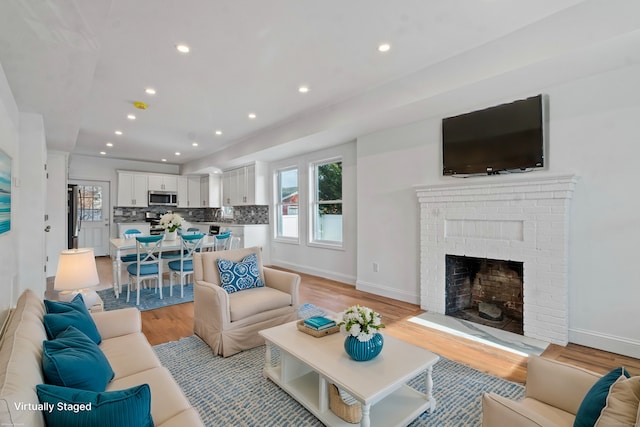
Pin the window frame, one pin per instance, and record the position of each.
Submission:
(278, 205)
(314, 204)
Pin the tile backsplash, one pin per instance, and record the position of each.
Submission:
(255, 214)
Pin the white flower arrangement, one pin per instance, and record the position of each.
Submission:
(360, 322)
(171, 221)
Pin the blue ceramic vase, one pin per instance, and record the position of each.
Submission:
(363, 351)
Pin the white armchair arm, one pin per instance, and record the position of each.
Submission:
(283, 281)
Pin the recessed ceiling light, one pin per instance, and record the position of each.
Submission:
(150, 91)
(195, 144)
(218, 132)
(131, 117)
(183, 48)
(177, 153)
(118, 132)
(164, 160)
(252, 115)
(109, 144)
(303, 89)
(384, 47)
(103, 153)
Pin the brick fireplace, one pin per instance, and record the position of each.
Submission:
(523, 219)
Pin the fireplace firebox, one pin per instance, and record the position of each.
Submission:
(485, 291)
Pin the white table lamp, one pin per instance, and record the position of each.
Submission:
(76, 272)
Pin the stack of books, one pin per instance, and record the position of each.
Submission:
(319, 323)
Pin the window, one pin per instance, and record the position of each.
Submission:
(287, 203)
(326, 203)
(90, 203)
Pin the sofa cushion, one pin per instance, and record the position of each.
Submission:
(257, 300)
(622, 403)
(73, 360)
(73, 313)
(239, 276)
(129, 354)
(78, 408)
(596, 398)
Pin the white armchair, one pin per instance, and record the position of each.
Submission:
(229, 323)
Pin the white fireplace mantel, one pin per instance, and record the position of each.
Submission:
(523, 218)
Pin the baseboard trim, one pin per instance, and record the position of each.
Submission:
(611, 343)
(388, 292)
(338, 277)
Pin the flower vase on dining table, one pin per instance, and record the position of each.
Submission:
(170, 235)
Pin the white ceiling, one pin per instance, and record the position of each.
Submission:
(81, 64)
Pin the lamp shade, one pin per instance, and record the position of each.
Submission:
(76, 270)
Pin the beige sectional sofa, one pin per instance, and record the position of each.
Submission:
(553, 395)
(131, 357)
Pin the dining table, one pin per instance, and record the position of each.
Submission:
(120, 246)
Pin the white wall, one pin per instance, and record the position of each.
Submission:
(9, 144)
(594, 131)
(30, 223)
(336, 264)
(56, 208)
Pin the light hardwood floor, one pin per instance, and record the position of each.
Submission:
(174, 322)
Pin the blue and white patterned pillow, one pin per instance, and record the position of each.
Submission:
(238, 276)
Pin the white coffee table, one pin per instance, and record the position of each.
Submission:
(307, 365)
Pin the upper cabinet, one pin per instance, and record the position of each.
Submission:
(132, 189)
(210, 191)
(189, 192)
(163, 183)
(245, 186)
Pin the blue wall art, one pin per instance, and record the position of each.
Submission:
(5, 192)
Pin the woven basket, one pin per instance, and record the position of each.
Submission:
(349, 413)
(314, 333)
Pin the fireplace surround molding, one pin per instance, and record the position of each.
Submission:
(524, 219)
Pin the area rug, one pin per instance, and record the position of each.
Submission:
(149, 299)
(232, 391)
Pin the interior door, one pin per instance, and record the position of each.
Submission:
(94, 215)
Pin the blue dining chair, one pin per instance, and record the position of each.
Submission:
(191, 243)
(127, 259)
(148, 264)
(222, 241)
(131, 233)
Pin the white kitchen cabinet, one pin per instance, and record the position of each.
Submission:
(163, 183)
(189, 192)
(132, 189)
(230, 188)
(245, 186)
(210, 191)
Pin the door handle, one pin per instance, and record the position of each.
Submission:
(47, 228)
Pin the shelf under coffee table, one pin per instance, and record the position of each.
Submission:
(308, 364)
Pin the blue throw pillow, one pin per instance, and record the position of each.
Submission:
(238, 276)
(596, 399)
(74, 360)
(76, 304)
(69, 407)
(54, 323)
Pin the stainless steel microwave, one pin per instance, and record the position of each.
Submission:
(163, 198)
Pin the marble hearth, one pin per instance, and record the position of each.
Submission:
(524, 219)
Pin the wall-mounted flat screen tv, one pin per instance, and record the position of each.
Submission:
(507, 137)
